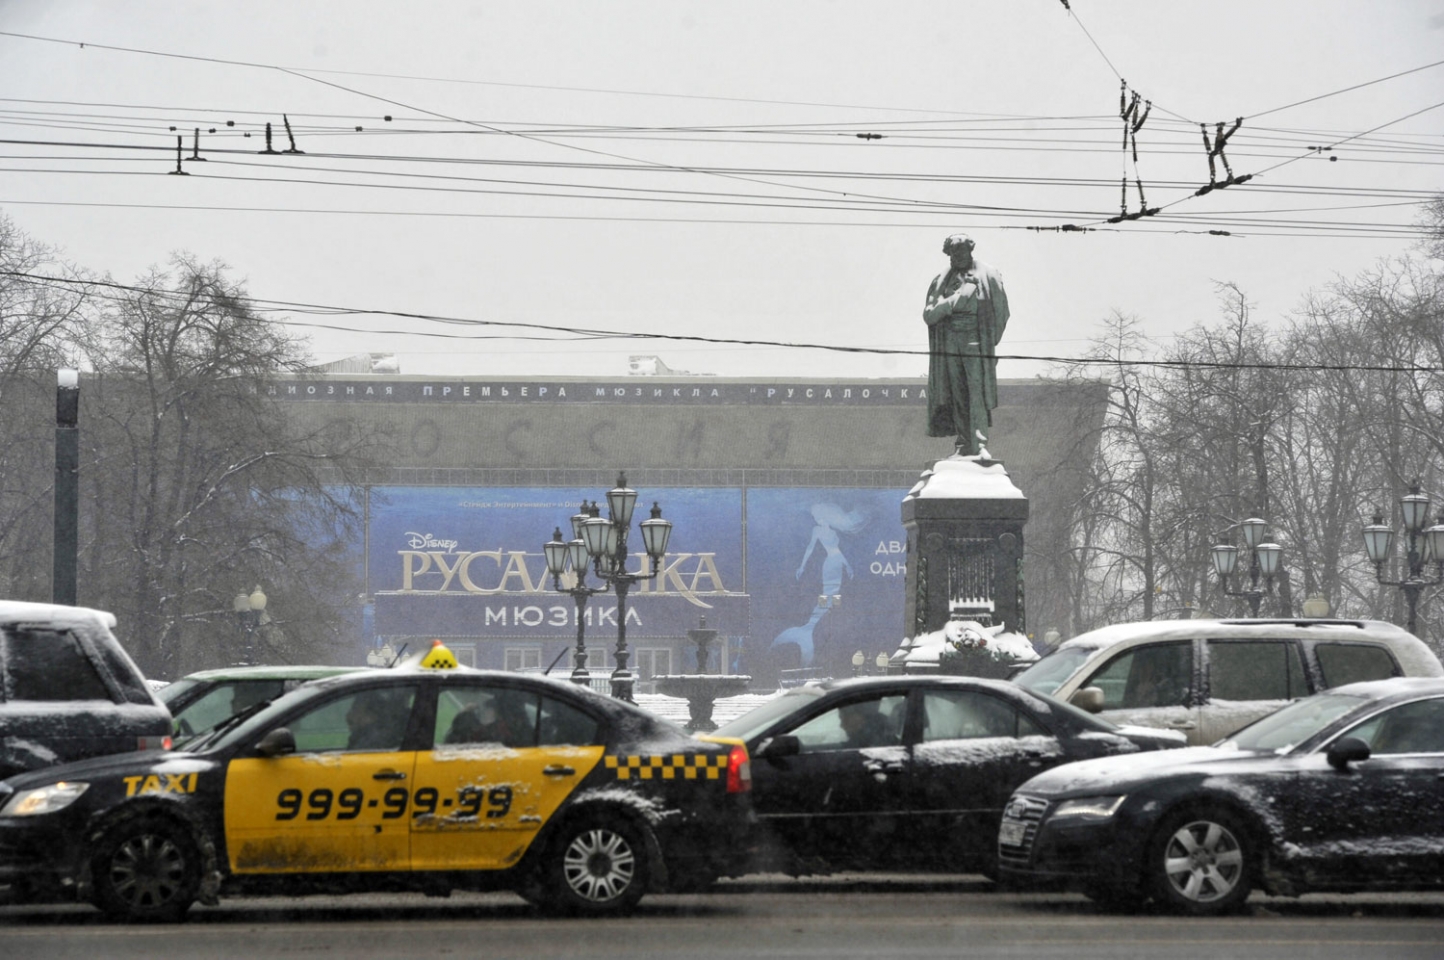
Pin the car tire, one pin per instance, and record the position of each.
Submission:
(597, 865)
(146, 869)
(1200, 862)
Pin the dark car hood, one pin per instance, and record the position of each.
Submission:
(112, 765)
(1116, 775)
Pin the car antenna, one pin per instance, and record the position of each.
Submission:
(397, 659)
(555, 662)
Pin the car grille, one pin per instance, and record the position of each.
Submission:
(1029, 811)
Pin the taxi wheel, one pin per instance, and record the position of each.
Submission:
(597, 866)
(146, 869)
(1200, 862)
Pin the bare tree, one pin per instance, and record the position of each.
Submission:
(198, 486)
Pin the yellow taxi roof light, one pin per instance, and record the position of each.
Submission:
(440, 657)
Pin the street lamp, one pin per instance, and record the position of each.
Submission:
(882, 662)
(1425, 546)
(858, 659)
(605, 542)
(560, 555)
(248, 610)
(1263, 561)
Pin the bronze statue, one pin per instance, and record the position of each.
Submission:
(966, 312)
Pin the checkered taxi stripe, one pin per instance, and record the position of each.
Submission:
(667, 767)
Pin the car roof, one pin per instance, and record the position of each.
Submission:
(365, 677)
(1122, 633)
(915, 680)
(1393, 688)
(56, 614)
(278, 672)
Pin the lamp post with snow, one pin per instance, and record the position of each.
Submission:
(1424, 547)
(605, 542)
(1263, 561)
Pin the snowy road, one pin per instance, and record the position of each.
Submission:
(875, 918)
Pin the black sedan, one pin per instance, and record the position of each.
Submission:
(1342, 791)
(908, 772)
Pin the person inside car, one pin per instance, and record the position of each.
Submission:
(376, 720)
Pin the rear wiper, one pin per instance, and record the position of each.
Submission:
(205, 736)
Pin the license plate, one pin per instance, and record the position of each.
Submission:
(1012, 832)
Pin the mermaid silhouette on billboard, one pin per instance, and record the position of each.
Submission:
(831, 520)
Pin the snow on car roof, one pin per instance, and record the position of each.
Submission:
(1416, 658)
(20, 611)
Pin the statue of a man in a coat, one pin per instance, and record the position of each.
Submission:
(966, 312)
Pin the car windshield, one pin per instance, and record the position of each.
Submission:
(1281, 730)
(754, 721)
(247, 722)
(1048, 674)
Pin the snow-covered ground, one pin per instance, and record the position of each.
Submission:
(723, 710)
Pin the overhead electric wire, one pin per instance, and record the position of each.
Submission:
(266, 305)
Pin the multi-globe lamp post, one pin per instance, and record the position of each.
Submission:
(1263, 561)
(1425, 546)
(561, 555)
(604, 541)
(248, 610)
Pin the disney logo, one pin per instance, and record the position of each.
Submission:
(425, 541)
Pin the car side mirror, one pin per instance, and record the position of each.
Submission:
(1346, 751)
(782, 745)
(1089, 698)
(276, 743)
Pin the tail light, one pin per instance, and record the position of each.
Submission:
(153, 743)
(739, 771)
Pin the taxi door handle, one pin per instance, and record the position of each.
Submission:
(559, 771)
(1181, 724)
(388, 775)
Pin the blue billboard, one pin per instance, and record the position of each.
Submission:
(793, 577)
(468, 561)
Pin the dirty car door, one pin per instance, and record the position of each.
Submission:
(503, 760)
(975, 748)
(339, 803)
(842, 797)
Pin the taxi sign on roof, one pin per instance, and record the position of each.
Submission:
(440, 657)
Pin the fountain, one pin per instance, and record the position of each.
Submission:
(701, 689)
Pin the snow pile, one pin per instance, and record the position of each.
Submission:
(724, 709)
(927, 649)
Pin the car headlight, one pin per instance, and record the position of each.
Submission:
(57, 796)
(1089, 808)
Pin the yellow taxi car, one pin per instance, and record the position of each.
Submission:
(404, 779)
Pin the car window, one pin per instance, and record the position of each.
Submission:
(122, 669)
(1409, 728)
(1343, 663)
(49, 665)
(1156, 675)
(564, 725)
(476, 715)
(224, 700)
(368, 720)
(1255, 670)
(967, 715)
(855, 725)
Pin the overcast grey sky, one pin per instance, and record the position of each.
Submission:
(676, 167)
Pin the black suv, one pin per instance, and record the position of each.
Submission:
(68, 690)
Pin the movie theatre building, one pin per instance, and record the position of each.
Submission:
(784, 496)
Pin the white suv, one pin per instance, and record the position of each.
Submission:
(1208, 678)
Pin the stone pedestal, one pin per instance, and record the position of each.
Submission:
(964, 521)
